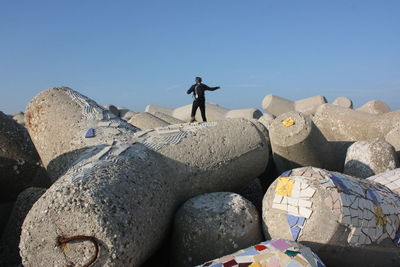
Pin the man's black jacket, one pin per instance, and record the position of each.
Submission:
(198, 90)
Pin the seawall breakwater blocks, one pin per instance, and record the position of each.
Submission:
(115, 202)
(276, 252)
(145, 120)
(346, 221)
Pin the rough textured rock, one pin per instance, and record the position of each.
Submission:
(19, 117)
(59, 118)
(12, 232)
(122, 197)
(145, 120)
(374, 107)
(20, 165)
(390, 179)
(296, 142)
(345, 220)
(276, 105)
(367, 158)
(212, 225)
(393, 138)
(343, 102)
(277, 252)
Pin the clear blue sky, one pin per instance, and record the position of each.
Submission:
(135, 53)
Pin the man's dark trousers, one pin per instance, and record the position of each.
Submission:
(199, 103)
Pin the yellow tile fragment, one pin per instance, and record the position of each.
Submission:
(288, 122)
(284, 186)
(380, 217)
(255, 265)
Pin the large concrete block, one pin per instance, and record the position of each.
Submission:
(374, 107)
(277, 252)
(266, 119)
(145, 120)
(345, 220)
(20, 165)
(167, 118)
(249, 113)
(295, 142)
(276, 105)
(214, 112)
(343, 102)
(12, 232)
(154, 108)
(342, 126)
(213, 225)
(367, 158)
(116, 202)
(62, 122)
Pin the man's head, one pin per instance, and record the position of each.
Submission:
(197, 79)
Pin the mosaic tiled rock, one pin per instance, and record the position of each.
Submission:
(20, 165)
(276, 105)
(145, 120)
(296, 142)
(272, 253)
(214, 112)
(113, 206)
(390, 179)
(62, 122)
(367, 158)
(336, 215)
(343, 102)
(12, 232)
(374, 107)
(213, 225)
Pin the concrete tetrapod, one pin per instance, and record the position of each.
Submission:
(374, 107)
(367, 158)
(343, 102)
(145, 120)
(115, 204)
(345, 220)
(296, 142)
(212, 225)
(276, 252)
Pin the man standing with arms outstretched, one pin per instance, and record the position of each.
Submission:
(199, 99)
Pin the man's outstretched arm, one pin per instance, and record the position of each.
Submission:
(211, 88)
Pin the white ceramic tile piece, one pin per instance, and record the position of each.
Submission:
(353, 212)
(354, 204)
(345, 211)
(304, 212)
(309, 192)
(305, 203)
(277, 199)
(293, 201)
(346, 220)
(345, 200)
(355, 221)
(284, 200)
(378, 231)
(303, 186)
(392, 186)
(382, 237)
(293, 210)
(296, 189)
(361, 238)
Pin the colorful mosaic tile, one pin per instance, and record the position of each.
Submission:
(278, 252)
(90, 133)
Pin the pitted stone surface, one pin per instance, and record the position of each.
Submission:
(12, 232)
(367, 158)
(124, 194)
(212, 225)
(374, 107)
(167, 118)
(20, 165)
(338, 215)
(343, 102)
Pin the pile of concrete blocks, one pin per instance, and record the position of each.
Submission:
(116, 188)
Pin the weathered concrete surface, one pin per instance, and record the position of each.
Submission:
(277, 252)
(390, 179)
(124, 195)
(367, 158)
(58, 120)
(374, 107)
(213, 225)
(20, 165)
(299, 143)
(276, 105)
(167, 118)
(309, 105)
(153, 108)
(214, 112)
(345, 220)
(342, 126)
(248, 113)
(145, 120)
(266, 119)
(343, 102)
(12, 232)
(393, 138)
